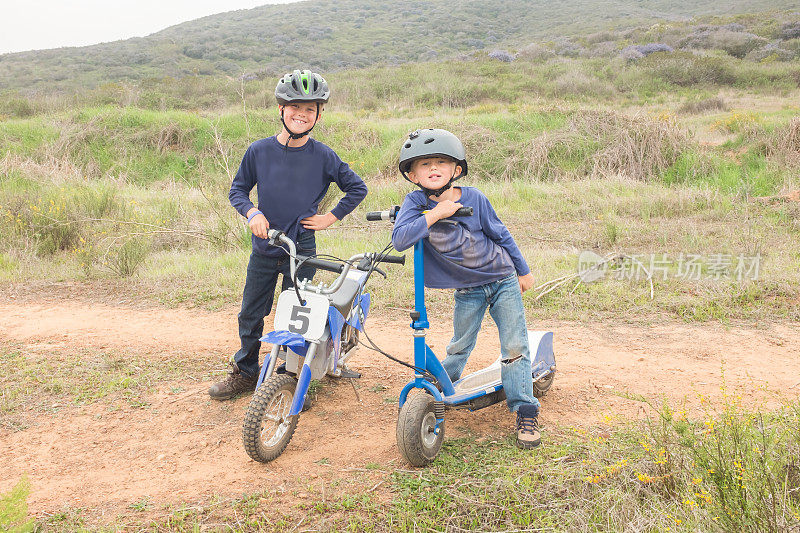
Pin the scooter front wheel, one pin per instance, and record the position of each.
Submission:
(417, 437)
(268, 428)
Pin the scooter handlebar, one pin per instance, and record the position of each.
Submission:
(388, 214)
(397, 259)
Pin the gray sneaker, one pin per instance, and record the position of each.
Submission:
(233, 385)
(528, 427)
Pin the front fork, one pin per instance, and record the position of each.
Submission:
(303, 379)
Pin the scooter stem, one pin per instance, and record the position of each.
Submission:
(420, 317)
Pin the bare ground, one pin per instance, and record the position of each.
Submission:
(181, 448)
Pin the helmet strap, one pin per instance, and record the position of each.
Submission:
(298, 135)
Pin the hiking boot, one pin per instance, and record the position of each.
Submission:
(528, 427)
(233, 385)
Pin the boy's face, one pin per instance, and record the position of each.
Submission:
(300, 116)
(433, 172)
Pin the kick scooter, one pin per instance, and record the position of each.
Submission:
(420, 425)
(316, 327)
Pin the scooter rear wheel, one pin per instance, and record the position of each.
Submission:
(268, 428)
(541, 387)
(418, 442)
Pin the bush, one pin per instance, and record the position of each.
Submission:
(604, 49)
(127, 259)
(600, 144)
(638, 51)
(578, 83)
(736, 43)
(686, 69)
(716, 103)
(535, 52)
(501, 55)
(790, 30)
(771, 52)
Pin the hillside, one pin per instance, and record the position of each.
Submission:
(330, 35)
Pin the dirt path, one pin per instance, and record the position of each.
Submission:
(185, 448)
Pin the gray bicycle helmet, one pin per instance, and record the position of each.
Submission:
(432, 142)
(302, 86)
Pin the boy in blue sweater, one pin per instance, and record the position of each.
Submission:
(292, 172)
(476, 256)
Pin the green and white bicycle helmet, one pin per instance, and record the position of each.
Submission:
(432, 142)
(301, 86)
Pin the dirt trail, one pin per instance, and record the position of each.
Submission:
(184, 448)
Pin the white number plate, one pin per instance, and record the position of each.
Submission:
(307, 320)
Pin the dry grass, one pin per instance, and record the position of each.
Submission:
(600, 144)
(696, 107)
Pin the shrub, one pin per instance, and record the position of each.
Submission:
(601, 36)
(535, 52)
(638, 51)
(581, 84)
(790, 30)
(771, 52)
(736, 43)
(686, 69)
(599, 144)
(604, 49)
(631, 53)
(127, 259)
(501, 55)
(567, 47)
(716, 103)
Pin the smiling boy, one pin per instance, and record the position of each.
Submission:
(475, 255)
(292, 173)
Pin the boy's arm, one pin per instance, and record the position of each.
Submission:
(353, 188)
(242, 184)
(410, 225)
(494, 228)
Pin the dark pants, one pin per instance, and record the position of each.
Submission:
(259, 291)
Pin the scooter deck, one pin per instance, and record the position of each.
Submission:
(488, 380)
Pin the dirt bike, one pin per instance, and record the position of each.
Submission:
(316, 329)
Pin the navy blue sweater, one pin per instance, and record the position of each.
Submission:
(291, 183)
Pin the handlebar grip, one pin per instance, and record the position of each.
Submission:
(397, 259)
(463, 212)
(389, 214)
(330, 266)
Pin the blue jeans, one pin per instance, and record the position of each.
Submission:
(504, 300)
(259, 291)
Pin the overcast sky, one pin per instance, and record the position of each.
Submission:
(38, 24)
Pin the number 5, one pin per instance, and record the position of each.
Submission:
(298, 323)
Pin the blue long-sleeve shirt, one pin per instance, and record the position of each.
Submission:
(291, 183)
(459, 252)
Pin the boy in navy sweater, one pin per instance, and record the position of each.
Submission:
(476, 256)
(292, 172)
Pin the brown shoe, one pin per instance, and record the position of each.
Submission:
(233, 385)
(528, 427)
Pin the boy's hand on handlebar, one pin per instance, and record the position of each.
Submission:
(259, 226)
(525, 282)
(443, 209)
(318, 222)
